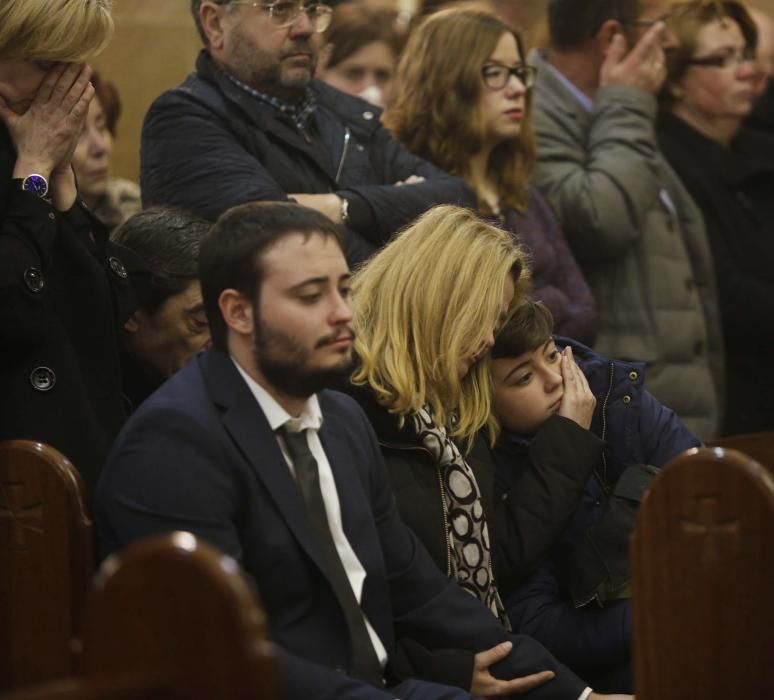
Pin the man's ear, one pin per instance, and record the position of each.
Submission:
(605, 34)
(211, 18)
(132, 324)
(237, 311)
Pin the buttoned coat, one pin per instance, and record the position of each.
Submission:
(199, 455)
(64, 293)
(639, 239)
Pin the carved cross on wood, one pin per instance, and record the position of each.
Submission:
(708, 527)
(17, 516)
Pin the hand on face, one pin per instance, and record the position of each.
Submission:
(46, 134)
(643, 67)
(578, 401)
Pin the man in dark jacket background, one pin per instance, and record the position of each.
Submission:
(252, 124)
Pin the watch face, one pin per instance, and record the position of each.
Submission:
(36, 184)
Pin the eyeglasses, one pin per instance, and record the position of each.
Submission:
(284, 12)
(647, 23)
(731, 59)
(497, 77)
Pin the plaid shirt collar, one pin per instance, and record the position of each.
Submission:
(297, 113)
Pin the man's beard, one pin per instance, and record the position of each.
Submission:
(284, 363)
(264, 73)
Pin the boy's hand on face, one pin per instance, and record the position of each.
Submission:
(577, 402)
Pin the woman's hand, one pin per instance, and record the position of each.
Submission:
(578, 401)
(46, 134)
(485, 685)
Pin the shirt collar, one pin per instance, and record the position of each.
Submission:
(581, 97)
(298, 113)
(311, 416)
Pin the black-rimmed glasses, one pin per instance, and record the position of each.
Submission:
(497, 77)
(284, 12)
(724, 60)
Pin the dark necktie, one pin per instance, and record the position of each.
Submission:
(365, 664)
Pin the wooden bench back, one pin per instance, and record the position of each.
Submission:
(46, 561)
(703, 580)
(170, 618)
(758, 446)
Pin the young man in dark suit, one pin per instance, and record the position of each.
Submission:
(248, 450)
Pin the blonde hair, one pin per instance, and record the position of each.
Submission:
(424, 302)
(435, 109)
(54, 30)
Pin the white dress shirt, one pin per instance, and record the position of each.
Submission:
(309, 421)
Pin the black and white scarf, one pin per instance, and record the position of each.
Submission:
(467, 528)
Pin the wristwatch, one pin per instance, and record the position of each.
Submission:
(36, 184)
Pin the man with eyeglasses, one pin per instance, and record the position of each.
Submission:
(253, 124)
(635, 231)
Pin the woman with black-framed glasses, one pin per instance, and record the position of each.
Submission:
(469, 112)
(729, 172)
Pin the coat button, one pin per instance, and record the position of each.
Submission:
(633, 376)
(627, 399)
(51, 216)
(360, 147)
(368, 115)
(42, 379)
(117, 267)
(34, 279)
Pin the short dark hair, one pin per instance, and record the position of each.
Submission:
(572, 23)
(231, 254)
(195, 6)
(355, 25)
(529, 328)
(107, 94)
(168, 242)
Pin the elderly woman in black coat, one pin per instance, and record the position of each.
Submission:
(62, 285)
(729, 172)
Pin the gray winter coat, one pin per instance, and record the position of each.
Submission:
(639, 239)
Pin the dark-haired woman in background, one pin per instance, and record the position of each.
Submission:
(360, 50)
(469, 112)
(112, 200)
(729, 172)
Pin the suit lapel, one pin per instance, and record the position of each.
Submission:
(249, 430)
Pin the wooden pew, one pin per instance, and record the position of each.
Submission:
(703, 580)
(46, 561)
(170, 618)
(759, 446)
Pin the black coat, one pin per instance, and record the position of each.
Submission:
(523, 524)
(208, 145)
(734, 188)
(63, 295)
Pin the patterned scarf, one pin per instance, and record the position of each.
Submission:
(467, 528)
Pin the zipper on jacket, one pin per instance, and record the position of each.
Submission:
(445, 510)
(347, 137)
(605, 485)
(444, 507)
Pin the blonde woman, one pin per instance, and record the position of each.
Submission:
(427, 307)
(469, 112)
(61, 282)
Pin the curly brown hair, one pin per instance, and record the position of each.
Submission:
(435, 108)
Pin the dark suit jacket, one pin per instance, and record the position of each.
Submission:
(199, 455)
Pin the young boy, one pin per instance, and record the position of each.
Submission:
(548, 389)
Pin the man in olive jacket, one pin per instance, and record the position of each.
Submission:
(634, 229)
(251, 124)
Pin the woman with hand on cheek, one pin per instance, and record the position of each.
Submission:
(63, 288)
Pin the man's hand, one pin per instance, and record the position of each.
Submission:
(410, 180)
(578, 401)
(46, 134)
(643, 67)
(328, 204)
(485, 685)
